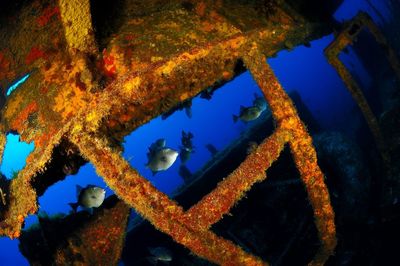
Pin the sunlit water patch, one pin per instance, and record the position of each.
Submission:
(17, 84)
(15, 154)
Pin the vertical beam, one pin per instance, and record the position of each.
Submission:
(303, 151)
(77, 21)
(380, 38)
(362, 103)
(344, 39)
(3, 140)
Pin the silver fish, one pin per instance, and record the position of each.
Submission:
(247, 114)
(89, 197)
(160, 254)
(159, 157)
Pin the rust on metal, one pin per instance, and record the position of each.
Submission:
(342, 40)
(91, 92)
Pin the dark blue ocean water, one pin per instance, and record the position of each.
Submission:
(304, 70)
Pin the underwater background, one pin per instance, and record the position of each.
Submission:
(302, 70)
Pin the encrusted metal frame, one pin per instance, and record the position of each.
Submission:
(345, 38)
(128, 96)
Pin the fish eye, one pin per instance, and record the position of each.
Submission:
(93, 197)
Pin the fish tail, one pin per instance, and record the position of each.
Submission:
(152, 260)
(74, 206)
(235, 118)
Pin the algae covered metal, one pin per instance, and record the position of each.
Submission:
(91, 83)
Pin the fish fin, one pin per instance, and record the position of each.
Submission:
(152, 260)
(235, 118)
(42, 214)
(89, 210)
(188, 112)
(161, 143)
(74, 206)
(78, 190)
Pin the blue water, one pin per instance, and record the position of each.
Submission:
(15, 154)
(304, 70)
(17, 84)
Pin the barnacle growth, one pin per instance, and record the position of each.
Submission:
(90, 90)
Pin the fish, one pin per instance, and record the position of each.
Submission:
(211, 148)
(184, 154)
(160, 158)
(260, 102)
(89, 197)
(186, 139)
(187, 146)
(185, 105)
(207, 93)
(247, 114)
(158, 144)
(251, 147)
(188, 108)
(161, 254)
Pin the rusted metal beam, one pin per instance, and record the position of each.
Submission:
(345, 38)
(77, 21)
(217, 203)
(302, 149)
(145, 73)
(156, 207)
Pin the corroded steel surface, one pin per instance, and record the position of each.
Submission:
(342, 40)
(155, 58)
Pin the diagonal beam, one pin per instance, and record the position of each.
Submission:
(391, 54)
(303, 151)
(214, 205)
(345, 38)
(155, 206)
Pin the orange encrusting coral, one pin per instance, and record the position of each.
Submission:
(153, 71)
(18, 122)
(101, 238)
(6, 73)
(34, 54)
(47, 14)
(303, 151)
(77, 21)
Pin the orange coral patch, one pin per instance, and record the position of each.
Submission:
(108, 64)
(34, 54)
(47, 14)
(23, 116)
